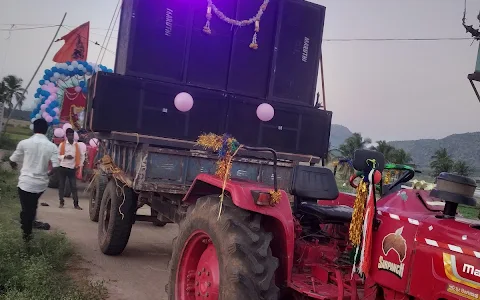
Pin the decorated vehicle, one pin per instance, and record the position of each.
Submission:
(209, 139)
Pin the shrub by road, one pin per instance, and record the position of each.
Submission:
(39, 271)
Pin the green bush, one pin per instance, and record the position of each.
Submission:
(36, 271)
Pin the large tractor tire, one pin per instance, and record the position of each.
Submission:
(226, 259)
(96, 193)
(115, 218)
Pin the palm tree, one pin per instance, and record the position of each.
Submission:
(386, 149)
(441, 162)
(462, 168)
(13, 91)
(400, 156)
(348, 148)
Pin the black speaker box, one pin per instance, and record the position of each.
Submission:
(136, 105)
(129, 104)
(164, 40)
(293, 129)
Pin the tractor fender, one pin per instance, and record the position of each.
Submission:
(278, 219)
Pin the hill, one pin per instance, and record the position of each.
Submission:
(464, 146)
(338, 134)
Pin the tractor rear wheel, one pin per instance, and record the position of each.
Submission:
(96, 194)
(115, 218)
(226, 259)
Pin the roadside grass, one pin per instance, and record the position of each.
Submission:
(13, 135)
(40, 270)
(469, 212)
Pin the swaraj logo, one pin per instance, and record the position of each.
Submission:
(396, 243)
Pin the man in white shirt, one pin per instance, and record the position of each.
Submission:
(35, 153)
(71, 158)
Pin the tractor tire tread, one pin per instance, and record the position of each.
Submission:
(249, 270)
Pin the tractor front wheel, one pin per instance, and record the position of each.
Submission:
(225, 259)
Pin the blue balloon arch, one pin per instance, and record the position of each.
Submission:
(49, 96)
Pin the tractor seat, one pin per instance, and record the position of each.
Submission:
(327, 213)
(310, 184)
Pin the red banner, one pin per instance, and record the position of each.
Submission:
(73, 108)
(76, 45)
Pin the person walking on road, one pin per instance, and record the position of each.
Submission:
(34, 153)
(71, 158)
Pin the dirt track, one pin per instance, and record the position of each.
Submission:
(139, 273)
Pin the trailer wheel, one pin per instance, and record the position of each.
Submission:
(115, 218)
(96, 193)
(226, 259)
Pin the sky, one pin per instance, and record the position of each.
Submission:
(387, 90)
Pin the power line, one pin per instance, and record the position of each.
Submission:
(28, 28)
(399, 39)
(109, 27)
(93, 42)
(53, 25)
(108, 35)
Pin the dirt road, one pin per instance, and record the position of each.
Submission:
(139, 273)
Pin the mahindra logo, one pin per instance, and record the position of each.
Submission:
(469, 269)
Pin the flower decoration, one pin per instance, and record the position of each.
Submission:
(226, 147)
(253, 20)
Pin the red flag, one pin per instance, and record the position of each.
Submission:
(76, 45)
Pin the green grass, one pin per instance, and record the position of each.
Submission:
(38, 271)
(19, 130)
(13, 135)
(469, 212)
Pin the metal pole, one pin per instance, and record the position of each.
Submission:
(323, 83)
(38, 68)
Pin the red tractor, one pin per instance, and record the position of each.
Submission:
(420, 248)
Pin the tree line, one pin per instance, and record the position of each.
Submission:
(12, 96)
(441, 160)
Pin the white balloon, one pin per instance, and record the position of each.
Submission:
(33, 120)
(70, 68)
(56, 75)
(75, 63)
(31, 126)
(37, 116)
(58, 65)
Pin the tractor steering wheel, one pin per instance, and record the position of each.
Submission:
(405, 177)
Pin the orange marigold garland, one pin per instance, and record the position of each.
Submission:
(227, 147)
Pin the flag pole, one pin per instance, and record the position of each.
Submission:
(36, 71)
